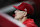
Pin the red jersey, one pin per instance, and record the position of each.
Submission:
(30, 23)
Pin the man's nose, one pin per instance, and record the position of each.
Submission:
(16, 11)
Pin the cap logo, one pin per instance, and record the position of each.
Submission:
(25, 9)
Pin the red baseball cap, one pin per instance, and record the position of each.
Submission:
(25, 7)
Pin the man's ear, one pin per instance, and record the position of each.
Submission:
(25, 13)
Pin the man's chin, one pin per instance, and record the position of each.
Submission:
(16, 18)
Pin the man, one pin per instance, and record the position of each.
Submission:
(21, 14)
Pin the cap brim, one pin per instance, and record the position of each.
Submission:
(15, 7)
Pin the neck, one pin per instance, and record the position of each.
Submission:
(23, 19)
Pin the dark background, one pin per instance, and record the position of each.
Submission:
(9, 2)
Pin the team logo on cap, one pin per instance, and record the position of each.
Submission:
(25, 9)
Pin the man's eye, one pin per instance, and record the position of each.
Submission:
(20, 10)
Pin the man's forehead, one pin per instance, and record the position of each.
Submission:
(20, 10)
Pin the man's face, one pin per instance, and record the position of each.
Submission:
(19, 14)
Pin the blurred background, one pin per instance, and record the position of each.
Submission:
(7, 4)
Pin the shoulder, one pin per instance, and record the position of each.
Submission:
(30, 22)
